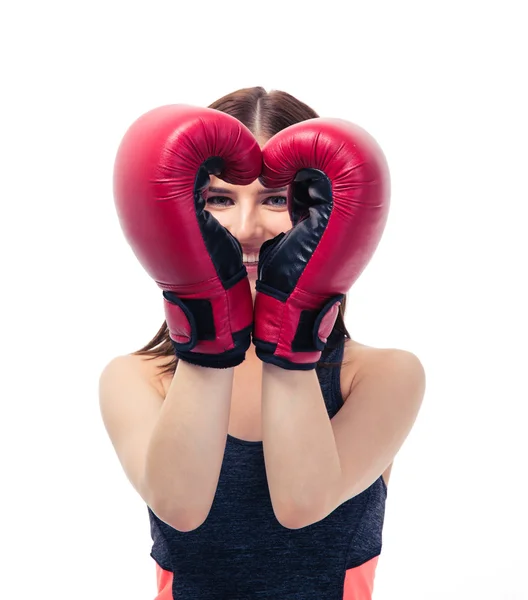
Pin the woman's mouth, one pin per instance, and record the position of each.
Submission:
(250, 259)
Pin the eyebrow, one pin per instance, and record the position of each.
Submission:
(221, 190)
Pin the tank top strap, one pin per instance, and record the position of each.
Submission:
(330, 377)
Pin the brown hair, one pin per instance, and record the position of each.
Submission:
(264, 114)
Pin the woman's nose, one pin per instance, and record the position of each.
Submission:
(246, 226)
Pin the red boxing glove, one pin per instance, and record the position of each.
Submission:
(338, 202)
(161, 170)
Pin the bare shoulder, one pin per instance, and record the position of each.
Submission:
(360, 358)
(146, 368)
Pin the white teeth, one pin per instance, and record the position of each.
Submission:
(250, 258)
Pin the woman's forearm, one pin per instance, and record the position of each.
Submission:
(187, 447)
(302, 462)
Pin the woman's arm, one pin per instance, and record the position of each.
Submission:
(302, 462)
(171, 448)
(186, 450)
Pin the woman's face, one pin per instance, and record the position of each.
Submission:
(251, 213)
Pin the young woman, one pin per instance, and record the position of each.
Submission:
(259, 434)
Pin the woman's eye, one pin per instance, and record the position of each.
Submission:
(223, 201)
(278, 201)
(218, 200)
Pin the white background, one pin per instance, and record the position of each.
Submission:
(442, 87)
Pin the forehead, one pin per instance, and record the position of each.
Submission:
(220, 186)
(216, 181)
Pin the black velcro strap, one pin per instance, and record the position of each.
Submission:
(306, 337)
(303, 340)
(199, 313)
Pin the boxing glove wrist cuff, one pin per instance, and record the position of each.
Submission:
(292, 333)
(226, 360)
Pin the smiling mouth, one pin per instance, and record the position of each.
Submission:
(251, 259)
